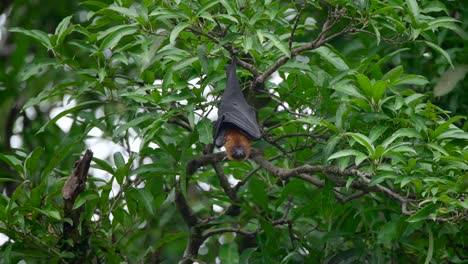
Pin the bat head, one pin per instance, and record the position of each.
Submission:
(237, 144)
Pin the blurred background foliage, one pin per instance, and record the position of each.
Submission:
(381, 90)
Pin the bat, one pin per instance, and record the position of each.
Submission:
(237, 122)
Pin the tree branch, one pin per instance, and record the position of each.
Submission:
(208, 159)
(218, 231)
(296, 23)
(304, 173)
(75, 236)
(332, 19)
(240, 62)
(231, 192)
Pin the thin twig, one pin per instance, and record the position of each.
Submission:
(218, 231)
(296, 23)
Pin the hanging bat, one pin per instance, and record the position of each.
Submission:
(237, 122)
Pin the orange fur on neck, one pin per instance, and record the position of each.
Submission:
(235, 139)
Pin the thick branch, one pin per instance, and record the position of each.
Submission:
(231, 193)
(187, 214)
(195, 231)
(287, 173)
(304, 172)
(198, 162)
(76, 183)
(75, 236)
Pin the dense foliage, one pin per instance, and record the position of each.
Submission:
(362, 106)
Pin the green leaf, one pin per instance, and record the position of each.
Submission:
(345, 153)
(413, 9)
(247, 43)
(278, 44)
(348, 89)
(184, 63)
(124, 11)
(114, 38)
(379, 150)
(430, 249)
(94, 3)
(388, 232)
(35, 69)
(402, 132)
(63, 29)
(440, 50)
(434, 6)
(438, 148)
(13, 162)
(381, 176)
(453, 133)
(164, 13)
(376, 31)
(376, 132)
(228, 5)
(66, 112)
(363, 140)
(378, 90)
(176, 31)
(135, 122)
(317, 121)
(414, 99)
(229, 254)
(443, 127)
(333, 58)
(343, 163)
(412, 79)
(62, 151)
(446, 22)
(84, 197)
(330, 126)
(206, 6)
(364, 84)
(393, 74)
(103, 165)
(359, 159)
(168, 238)
(226, 17)
(146, 198)
(205, 131)
(119, 160)
(32, 161)
(422, 214)
(122, 169)
(7, 253)
(259, 195)
(38, 35)
(201, 53)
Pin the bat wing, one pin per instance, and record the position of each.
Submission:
(234, 111)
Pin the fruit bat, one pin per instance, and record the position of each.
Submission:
(237, 122)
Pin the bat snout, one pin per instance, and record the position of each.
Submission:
(239, 153)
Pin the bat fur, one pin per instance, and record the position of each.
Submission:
(237, 145)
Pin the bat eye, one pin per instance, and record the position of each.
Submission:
(239, 153)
